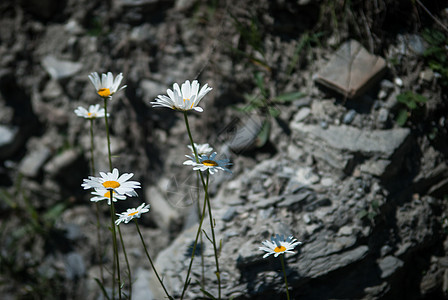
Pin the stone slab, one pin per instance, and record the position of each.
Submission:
(32, 163)
(384, 142)
(351, 70)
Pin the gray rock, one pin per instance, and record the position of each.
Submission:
(74, 266)
(58, 164)
(321, 265)
(384, 142)
(297, 199)
(32, 163)
(52, 90)
(9, 140)
(163, 212)
(377, 167)
(73, 231)
(382, 94)
(72, 26)
(351, 70)
(229, 214)
(305, 101)
(151, 89)
(398, 81)
(302, 114)
(267, 202)
(246, 135)
(60, 69)
(416, 44)
(389, 265)
(349, 116)
(7, 135)
(387, 85)
(440, 189)
(427, 75)
(383, 115)
(140, 287)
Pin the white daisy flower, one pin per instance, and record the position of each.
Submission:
(132, 213)
(95, 111)
(106, 86)
(111, 181)
(208, 163)
(183, 99)
(104, 194)
(278, 245)
(202, 149)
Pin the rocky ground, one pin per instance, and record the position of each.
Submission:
(332, 113)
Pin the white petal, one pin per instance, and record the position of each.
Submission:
(103, 80)
(186, 90)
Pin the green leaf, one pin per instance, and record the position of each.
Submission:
(263, 135)
(402, 117)
(372, 215)
(208, 238)
(274, 112)
(208, 294)
(420, 98)
(259, 81)
(7, 197)
(247, 108)
(288, 97)
(411, 99)
(362, 214)
(102, 288)
(54, 212)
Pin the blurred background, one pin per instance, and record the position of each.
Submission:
(333, 114)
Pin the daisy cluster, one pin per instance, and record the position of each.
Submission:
(110, 186)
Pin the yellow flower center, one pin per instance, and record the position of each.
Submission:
(111, 184)
(89, 114)
(186, 99)
(104, 92)
(133, 213)
(209, 163)
(107, 194)
(280, 249)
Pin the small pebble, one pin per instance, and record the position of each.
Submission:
(398, 81)
(382, 94)
(349, 116)
(383, 114)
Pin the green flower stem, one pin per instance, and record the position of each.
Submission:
(206, 200)
(191, 139)
(201, 241)
(107, 133)
(218, 274)
(150, 260)
(284, 274)
(92, 149)
(112, 212)
(195, 241)
(97, 207)
(127, 262)
(116, 263)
